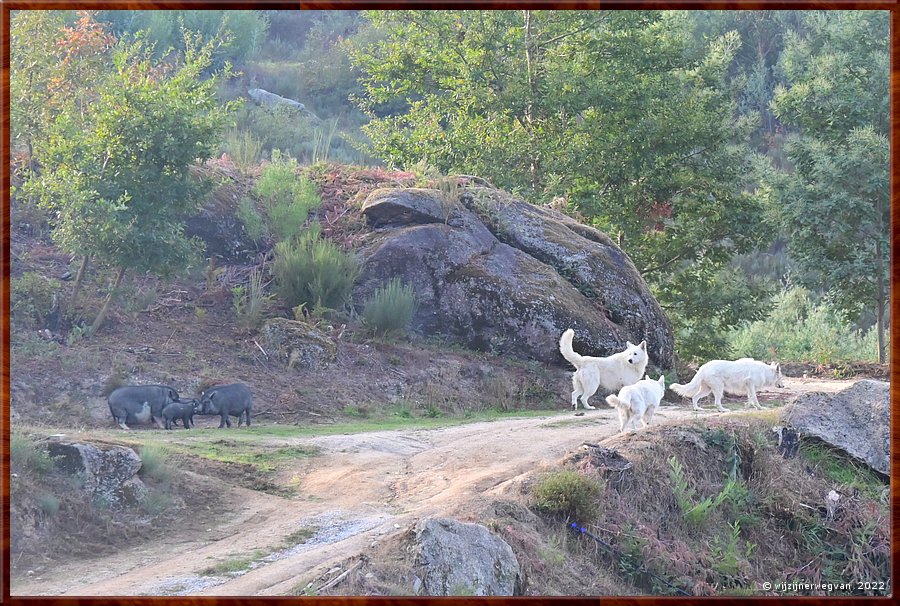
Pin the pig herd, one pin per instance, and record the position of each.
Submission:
(158, 403)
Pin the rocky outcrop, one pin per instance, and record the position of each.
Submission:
(109, 474)
(218, 225)
(464, 559)
(497, 274)
(264, 97)
(298, 344)
(856, 420)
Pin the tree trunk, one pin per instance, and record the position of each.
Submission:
(533, 167)
(881, 293)
(105, 309)
(880, 323)
(79, 278)
(880, 296)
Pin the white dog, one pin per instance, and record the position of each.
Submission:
(740, 377)
(612, 372)
(638, 402)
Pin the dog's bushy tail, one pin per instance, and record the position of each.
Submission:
(565, 348)
(615, 401)
(689, 390)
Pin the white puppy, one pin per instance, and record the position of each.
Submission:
(612, 372)
(740, 377)
(638, 402)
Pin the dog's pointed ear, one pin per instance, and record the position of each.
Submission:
(777, 366)
(644, 345)
(662, 380)
(629, 344)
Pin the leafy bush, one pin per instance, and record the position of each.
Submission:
(568, 493)
(801, 330)
(288, 196)
(26, 457)
(32, 298)
(314, 271)
(390, 308)
(251, 219)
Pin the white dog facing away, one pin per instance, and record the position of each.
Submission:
(740, 377)
(612, 372)
(638, 402)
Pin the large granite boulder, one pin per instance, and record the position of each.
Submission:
(109, 474)
(856, 420)
(298, 344)
(265, 98)
(464, 559)
(497, 274)
(218, 225)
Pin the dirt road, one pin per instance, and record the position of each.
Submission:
(361, 488)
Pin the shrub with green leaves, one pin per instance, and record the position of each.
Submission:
(568, 493)
(390, 308)
(799, 329)
(32, 298)
(250, 218)
(289, 197)
(313, 270)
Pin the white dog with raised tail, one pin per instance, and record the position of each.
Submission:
(740, 377)
(612, 372)
(638, 402)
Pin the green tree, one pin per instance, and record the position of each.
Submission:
(240, 33)
(834, 202)
(56, 57)
(116, 172)
(753, 75)
(606, 108)
(32, 55)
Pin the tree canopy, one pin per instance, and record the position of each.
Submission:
(834, 203)
(116, 173)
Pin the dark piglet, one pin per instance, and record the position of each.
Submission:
(227, 400)
(180, 410)
(140, 403)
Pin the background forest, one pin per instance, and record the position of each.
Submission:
(740, 158)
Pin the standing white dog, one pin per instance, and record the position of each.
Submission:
(638, 402)
(740, 377)
(612, 372)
